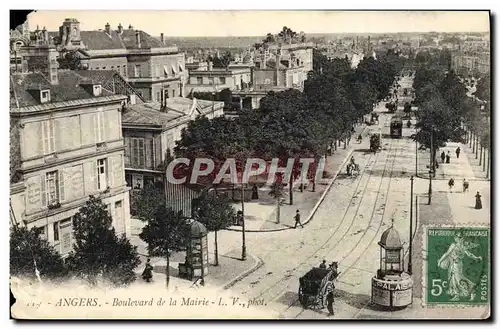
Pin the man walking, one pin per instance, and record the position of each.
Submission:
(457, 151)
(329, 302)
(465, 186)
(443, 156)
(297, 219)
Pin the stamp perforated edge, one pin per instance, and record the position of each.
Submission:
(424, 265)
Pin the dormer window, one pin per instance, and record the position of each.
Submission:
(44, 96)
(97, 90)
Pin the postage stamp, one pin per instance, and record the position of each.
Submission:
(457, 270)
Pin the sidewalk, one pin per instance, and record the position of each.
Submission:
(463, 167)
(230, 269)
(260, 215)
(446, 208)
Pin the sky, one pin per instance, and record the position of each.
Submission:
(257, 23)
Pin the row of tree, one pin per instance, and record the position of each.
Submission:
(444, 106)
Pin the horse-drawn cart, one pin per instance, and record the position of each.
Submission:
(315, 286)
(375, 142)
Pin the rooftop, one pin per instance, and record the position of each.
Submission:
(177, 109)
(390, 239)
(69, 88)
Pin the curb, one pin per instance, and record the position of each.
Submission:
(311, 214)
(257, 264)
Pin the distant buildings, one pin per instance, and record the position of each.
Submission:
(203, 77)
(471, 63)
(66, 144)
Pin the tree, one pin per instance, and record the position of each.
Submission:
(97, 250)
(147, 201)
(165, 233)
(223, 60)
(216, 213)
(71, 61)
(28, 249)
(277, 192)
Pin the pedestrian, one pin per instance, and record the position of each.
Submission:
(451, 183)
(465, 186)
(457, 151)
(479, 204)
(323, 264)
(443, 156)
(255, 192)
(297, 219)
(408, 124)
(329, 302)
(448, 157)
(147, 274)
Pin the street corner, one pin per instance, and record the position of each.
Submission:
(231, 269)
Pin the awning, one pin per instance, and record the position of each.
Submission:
(180, 68)
(165, 69)
(174, 71)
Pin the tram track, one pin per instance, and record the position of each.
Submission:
(375, 235)
(354, 195)
(305, 262)
(346, 231)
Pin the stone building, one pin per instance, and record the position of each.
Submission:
(156, 71)
(150, 131)
(66, 144)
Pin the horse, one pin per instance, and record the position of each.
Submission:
(352, 168)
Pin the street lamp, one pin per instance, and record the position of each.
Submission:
(243, 245)
(431, 166)
(411, 228)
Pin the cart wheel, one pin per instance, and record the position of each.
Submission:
(302, 298)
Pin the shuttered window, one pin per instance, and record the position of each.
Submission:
(54, 187)
(138, 152)
(102, 183)
(99, 127)
(48, 137)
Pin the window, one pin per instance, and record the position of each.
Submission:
(48, 136)
(42, 230)
(158, 96)
(124, 70)
(137, 71)
(97, 90)
(199, 80)
(52, 187)
(45, 96)
(104, 67)
(99, 127)
(173, 92)
(112, 67)
(222, 80)
(138, 152)
(101, 174)
(210, 80)
(74, 32)
(56, 231)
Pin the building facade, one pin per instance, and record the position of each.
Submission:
(205, 79)
(150, 131)
(67, 144)
(471, 63)
(156, 71)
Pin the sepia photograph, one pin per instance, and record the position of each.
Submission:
(250, 164)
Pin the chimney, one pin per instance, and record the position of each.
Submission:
(138, 39)
(162, 38)
(120, 28)
(278, 60)
(107, 28)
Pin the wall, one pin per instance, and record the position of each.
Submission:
(113, 63)
(73, 131)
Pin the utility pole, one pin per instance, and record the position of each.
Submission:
(243, 245)
(411, 228)
(431, 166)
(416, 155)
